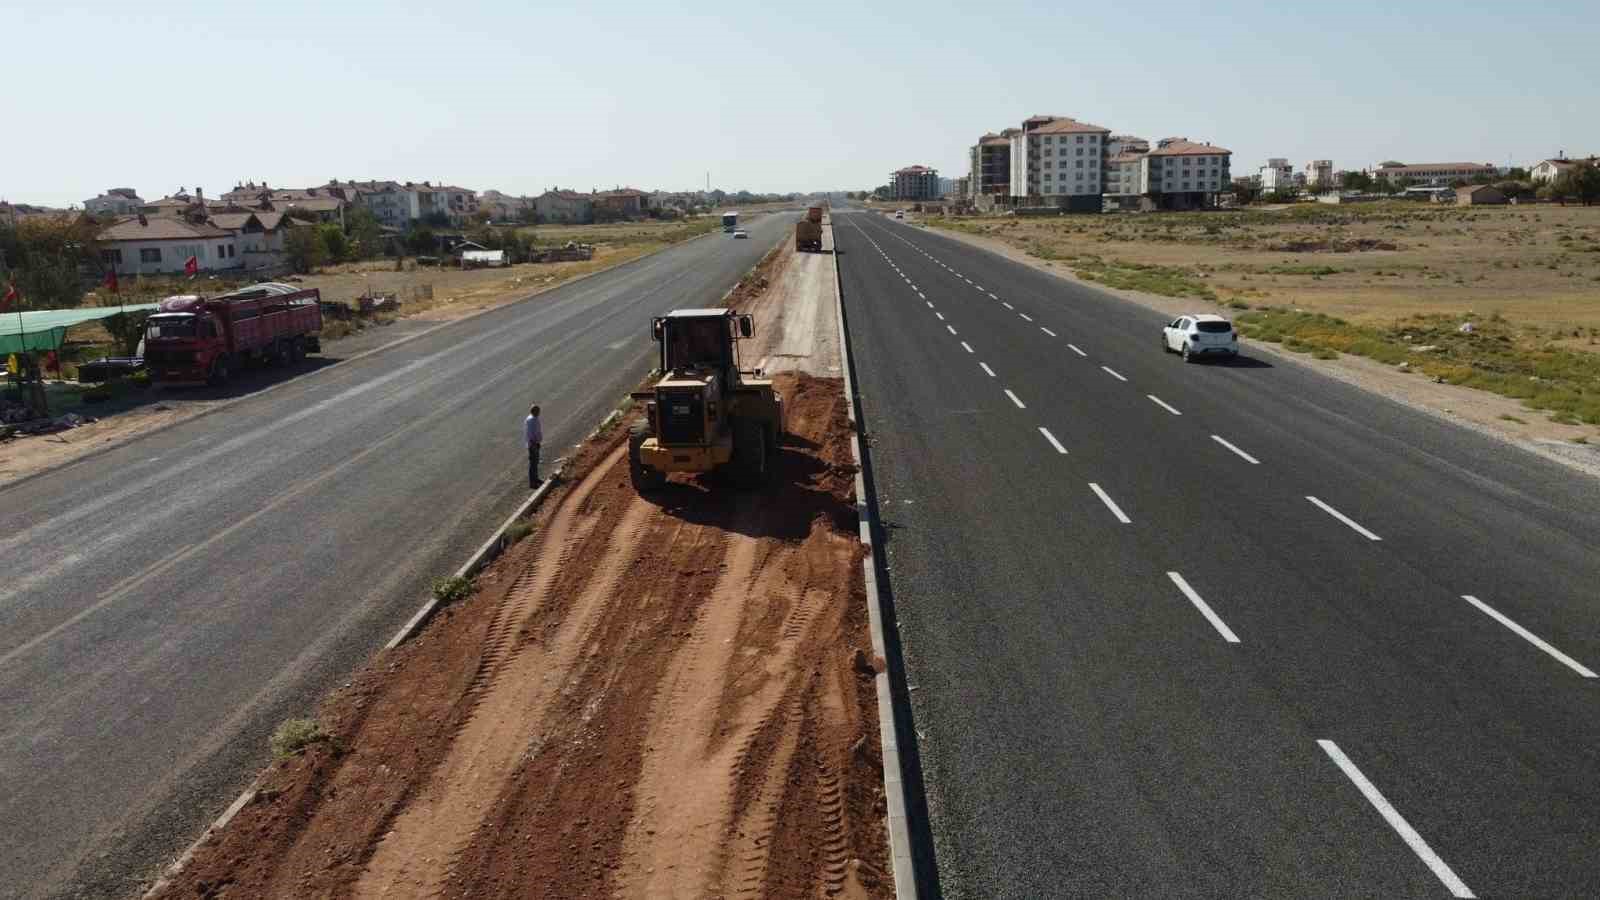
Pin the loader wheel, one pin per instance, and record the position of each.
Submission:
(644, 478)
(751, 453)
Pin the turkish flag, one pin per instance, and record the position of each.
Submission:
(111, 280)
(192, 267)
(10, 298)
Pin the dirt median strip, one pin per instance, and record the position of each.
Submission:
(672, 696)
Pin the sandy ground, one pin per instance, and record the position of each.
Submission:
(797, 318)
(651, 698)
(1480, 410)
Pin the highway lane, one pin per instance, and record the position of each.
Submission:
(1089, 726)
(165, 604)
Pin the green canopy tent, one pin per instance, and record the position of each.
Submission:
(45, 329)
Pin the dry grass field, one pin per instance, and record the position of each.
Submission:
(1391, 281)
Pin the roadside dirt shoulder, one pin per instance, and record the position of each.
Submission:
(662, 697)
(1502, 418)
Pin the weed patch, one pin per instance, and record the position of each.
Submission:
(295, 735)
(452, 589)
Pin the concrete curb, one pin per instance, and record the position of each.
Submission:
(359, 356)
(894, 788)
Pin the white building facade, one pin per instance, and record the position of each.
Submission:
(1058, 161)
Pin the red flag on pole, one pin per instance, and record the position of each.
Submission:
(111, 280)
(10, 298)
(192, 267)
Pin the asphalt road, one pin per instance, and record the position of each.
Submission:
(1144, 662)
(164, 605)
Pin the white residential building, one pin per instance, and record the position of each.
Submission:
(154, 245)
(116, 202)
(1184, 174)
(1277, 175)
(1319, 173)
(1551, 169)
(1058, 161)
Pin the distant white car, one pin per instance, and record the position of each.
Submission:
(1200, 335)
(899, 214)
(742, 234)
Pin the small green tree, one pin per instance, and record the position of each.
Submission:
(420, 241)
(304, 248)
(366, 235)
(334, 243)
(1585, 182)
(1558, 189)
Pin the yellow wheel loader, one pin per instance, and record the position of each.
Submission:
(704, 412)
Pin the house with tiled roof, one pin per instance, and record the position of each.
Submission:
(1551, 169)
(620, 203)
(156, 245)
(560, 205)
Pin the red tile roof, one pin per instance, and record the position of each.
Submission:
(1189, 148)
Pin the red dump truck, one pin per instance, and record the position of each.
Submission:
(203, 340)
(808, 231)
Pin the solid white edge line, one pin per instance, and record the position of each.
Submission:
(1113, 373)
(1205, 608)
(1110, 504)
(1163, 404)
(1344, 518)
(952, 328)
(1076, 350)
(987, 369)
(967, 347)
(1014, 399)
(1242, 455)
(1530, 637)
(1047, 331)
(1052, 439)
(1457, 887)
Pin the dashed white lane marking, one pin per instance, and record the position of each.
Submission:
(993, 297)
(1052, 439)
(1076, 350)
(1008, 306)
(1345, 519)
(1110, 504)
(967, 280)
(1458, 888)
(922, 295)
(1242, 455)
(1026, 317)
(1014, 399)
(1047, 331)
(1163, 404)
(1205, 610)
(952, 328)
(1113, 373)
(978, 286)
(987, 369)
(940, 315)
(967, 346)
(930, 304)
(1530, 637)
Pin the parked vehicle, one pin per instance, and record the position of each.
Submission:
(741, 234)
(204, 340)
(808, 235)
(730, 221)
(1200, 335)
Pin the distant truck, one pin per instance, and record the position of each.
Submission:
(808, 235)
(730, 222)
(814, 214)
(204, 340)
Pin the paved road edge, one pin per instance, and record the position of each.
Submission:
(894, 785)
(362, 355)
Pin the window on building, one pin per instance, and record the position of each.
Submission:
(1080, 138)
(222, 251)
(149, 254)
(230, 251)
(114, 257)
(1080, 163)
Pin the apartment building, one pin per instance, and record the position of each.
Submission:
(914, 183)
(116, 202)
(1058, 161)
(989, 174)
(558, 205)
(1277, 175)
(1319, 174)
(1183, 174)
(1435, 173)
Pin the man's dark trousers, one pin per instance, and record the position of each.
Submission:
(533, 465)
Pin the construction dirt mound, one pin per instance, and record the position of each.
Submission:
(654, 698)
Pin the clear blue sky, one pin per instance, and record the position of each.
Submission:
(766, 96)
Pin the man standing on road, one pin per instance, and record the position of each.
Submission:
(533, 436)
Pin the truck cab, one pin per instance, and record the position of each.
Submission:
(181, 340)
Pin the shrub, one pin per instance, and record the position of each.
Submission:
(295, 735)
(452, 589)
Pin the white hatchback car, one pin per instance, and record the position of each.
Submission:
(1195, 336)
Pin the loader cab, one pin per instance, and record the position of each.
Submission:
(701, 340)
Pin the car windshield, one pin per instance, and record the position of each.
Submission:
(170, 327)
(1213, 327)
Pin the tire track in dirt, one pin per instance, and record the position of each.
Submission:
(415, 857)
